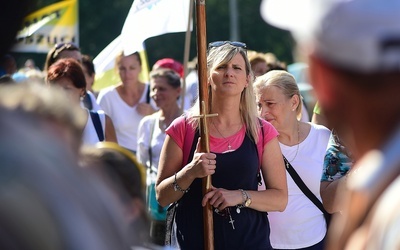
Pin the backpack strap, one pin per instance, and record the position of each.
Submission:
(97, 124)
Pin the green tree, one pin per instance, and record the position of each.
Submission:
(101, 21)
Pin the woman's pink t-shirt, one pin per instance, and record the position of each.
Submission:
(183, 134)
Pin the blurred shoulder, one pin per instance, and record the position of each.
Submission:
(106, 91)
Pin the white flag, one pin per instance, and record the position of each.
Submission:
(152, 18)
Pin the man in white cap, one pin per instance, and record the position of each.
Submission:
(353, 51)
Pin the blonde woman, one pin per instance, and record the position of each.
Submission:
(128, 102)
(240, 144)
(302, 224)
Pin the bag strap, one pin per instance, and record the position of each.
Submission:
(97, 124)
(153, 124)
(87, 101)
(148, 94)
(259, 166)
(303, 187)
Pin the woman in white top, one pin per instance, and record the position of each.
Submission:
(302, 224)
(128, 102)
(165, 85)
(67, 73)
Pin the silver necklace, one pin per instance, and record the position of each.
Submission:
(298, 143)
(229, 142)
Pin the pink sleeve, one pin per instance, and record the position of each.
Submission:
(269, 132)
(183, 136)
(177, 131)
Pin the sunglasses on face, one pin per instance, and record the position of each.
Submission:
(220, 43)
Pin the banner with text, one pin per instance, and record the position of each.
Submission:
(48, 26)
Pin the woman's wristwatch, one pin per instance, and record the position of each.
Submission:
(246, 203)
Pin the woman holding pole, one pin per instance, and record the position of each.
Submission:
(241, 148)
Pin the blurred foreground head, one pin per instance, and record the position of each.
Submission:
(353, 48)
(55, 114)
(119, 167)
(46, 201)
(356, 35)
(353, 51)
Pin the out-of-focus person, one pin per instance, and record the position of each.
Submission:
(62, 50)
(46, 201)
(170, 63)
(318, 116)
(119, 167)
(8, 65)
(353, 51)
(57, 115)
(128, 102)
(67, 73)
(258, 63)
(71, 50)
(89, 99)
(165, 85)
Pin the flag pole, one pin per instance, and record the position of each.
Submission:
(203, 99)
(186, 56)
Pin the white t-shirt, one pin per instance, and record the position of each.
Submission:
(150, 125)
(89, 133)
(191, 94)
(125, 118)
(302, 224)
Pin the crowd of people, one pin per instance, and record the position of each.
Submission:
(123, 168)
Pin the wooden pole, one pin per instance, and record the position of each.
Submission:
(203, 98)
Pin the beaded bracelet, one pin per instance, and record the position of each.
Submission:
(177, 187)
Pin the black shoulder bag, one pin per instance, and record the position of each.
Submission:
(303, 187)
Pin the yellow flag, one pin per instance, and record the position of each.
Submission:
(48, 26)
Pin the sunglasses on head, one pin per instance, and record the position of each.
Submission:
(59, 47)
(66, 45)
(220, 43)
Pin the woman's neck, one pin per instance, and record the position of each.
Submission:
(228, 111)
(132, 87)
(166, 116)
(290, 135)
(170, 113)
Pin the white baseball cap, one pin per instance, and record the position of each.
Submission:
(358, 35)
